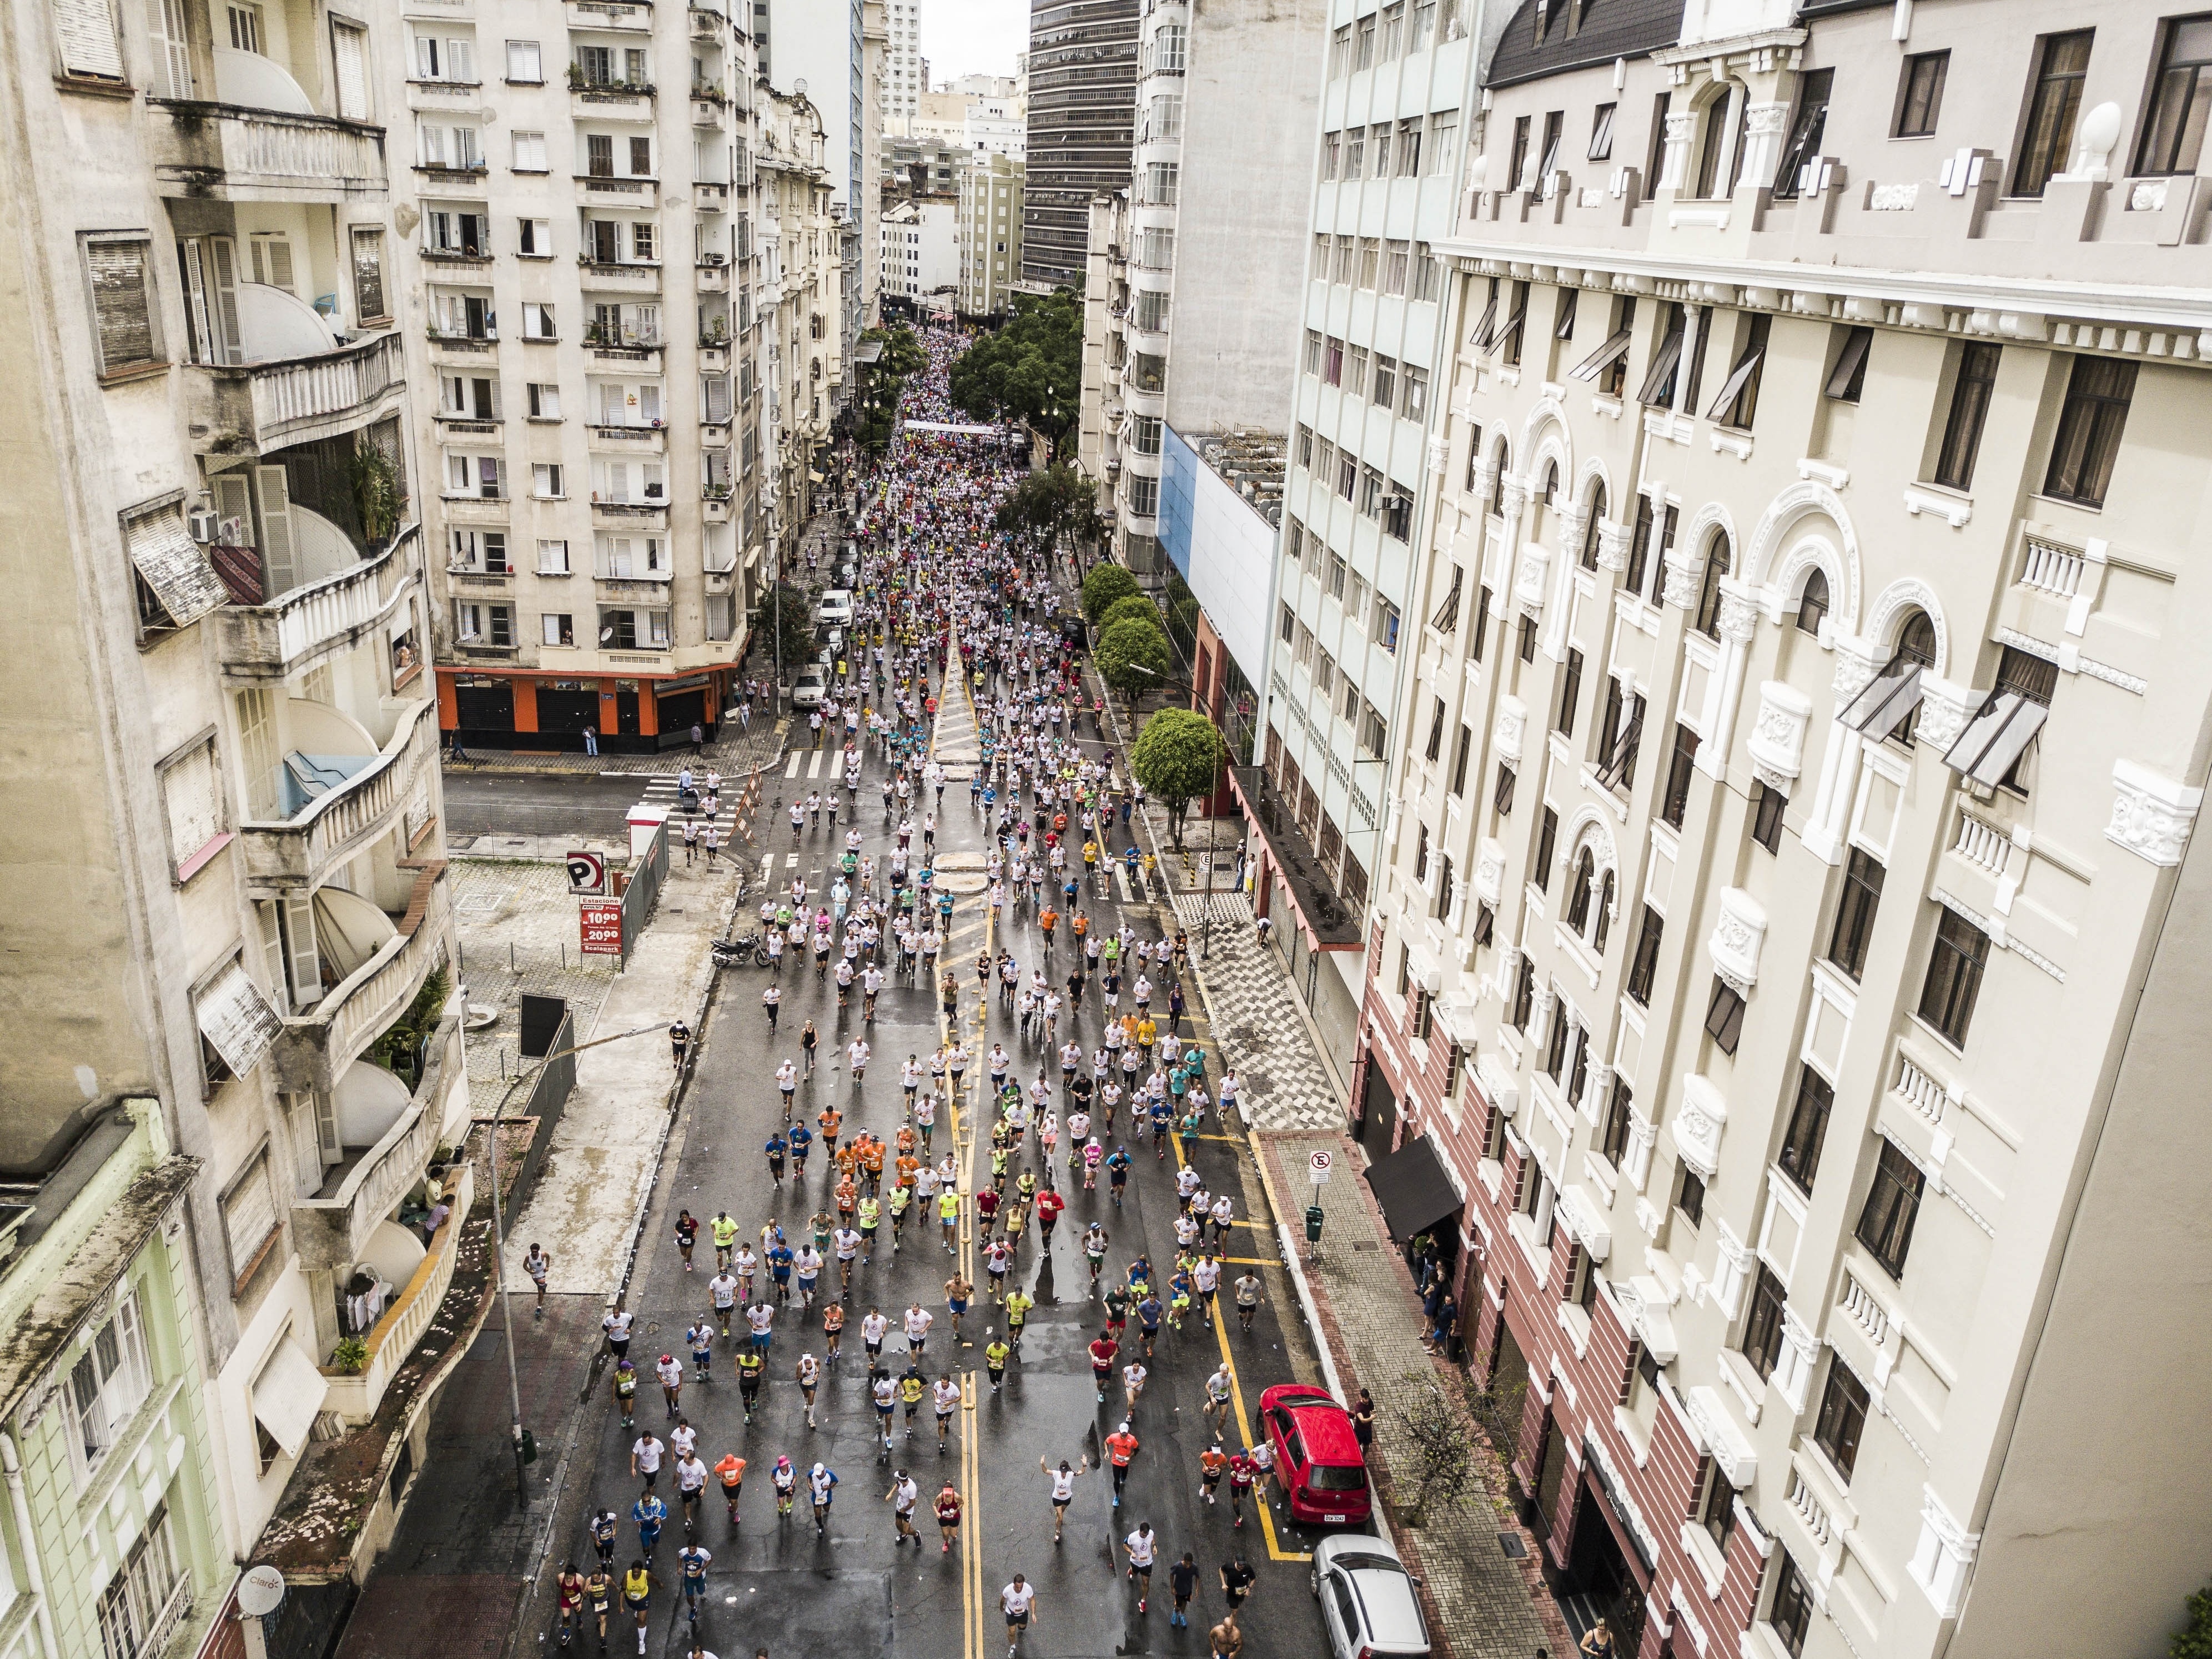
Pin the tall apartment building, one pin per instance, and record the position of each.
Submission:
(920, 251)
(801, 297)
(1786, 984)
(990, 234)
(1398, 95)
(229, 879)
(907, 76)
(875, 39)
(581, 329)
(821, 54)
(1082, 94)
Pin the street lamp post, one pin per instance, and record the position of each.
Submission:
(499, 1244)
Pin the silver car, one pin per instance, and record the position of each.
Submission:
(1369, 1604)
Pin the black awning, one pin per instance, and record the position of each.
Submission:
(1413, 1188)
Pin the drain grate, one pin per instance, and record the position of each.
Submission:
(1365, 1244)
(1511, 1544)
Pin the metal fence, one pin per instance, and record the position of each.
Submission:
(646, 875)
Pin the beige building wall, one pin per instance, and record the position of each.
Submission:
(990, 232)
(1818, 461)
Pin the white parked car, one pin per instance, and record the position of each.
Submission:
(835, 609)
(806, 689)
(1369, 1604)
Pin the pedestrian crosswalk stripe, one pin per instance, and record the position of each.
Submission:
(798, 756)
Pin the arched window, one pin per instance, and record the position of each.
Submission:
(1551, 490)
(1497, 481)
(1578, 900)
(1604, 924)
(1813, 601)
(1709, 596)
(1916, 641)
(1590, 525)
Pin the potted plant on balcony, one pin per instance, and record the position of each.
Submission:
(576, 77)
(376, 492)
(351, 1356)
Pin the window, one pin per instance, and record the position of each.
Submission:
(1409, 149)
(368, 276)
(2089, 426)
(1613, 1134)
(1580, 891)
(1893, 1204)
(1476, 635)
(1681, 766)
(1518, 163)
(1547, 842)
(1571, 690)
(553, 558)
(525, 66)
(1524, 995)
(1527, 635)
(1813, 604)
(1459, 753)
(1842, 1421)
(1714, 1508)
(1375, 732)
(1738, 403)
(1619, 737)
(1639, 547)
(1920, 95)
(1555, 125)
(1555, 1039)
(1800, 1157)
(1955, 962)
(1789, 1615)
(2173, 132)
(1385, 628)
(1600, 143)
(1762, 1330)
(133, 1607)
(2062, 66)
(530, 152)
(1690, 1195)
(1724, 1016)
(107, 1385)
(1666, 358)
(1654, 158)
(1436, 732)
(1413, 401)
(1502, 797)
(125, 332)
(1847, 379)
(85, 31)
(537, 321)
(1383, 388)
(249, 1214)
(1805, 131)
(1721, 120)
(1767, 806)
(534, 239)
(1847, 944)
(1970, 406)
(545, 481)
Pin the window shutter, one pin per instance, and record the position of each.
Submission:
(175, 566)
(277, 556)
(173, 53)
(86, 32)
(225, 251)
(303, 966)
(194, 803)
(235, 1017)
(192, 256)
(122, 307)
(272, 948)
(368, 276)
(460, 60)
(349, 49)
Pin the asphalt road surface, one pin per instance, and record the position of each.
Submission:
(540, 802)
(855, 1592)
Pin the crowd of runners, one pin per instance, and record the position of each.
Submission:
(1092, 1069)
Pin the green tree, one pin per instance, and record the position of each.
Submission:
(1133, 655)
(1104, 587)
(1178, 755)
(1135, 606)
(785, 617)
(1045, 505)
(1030, 369)
(2195, 1641)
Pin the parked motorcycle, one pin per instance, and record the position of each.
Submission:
(736, 952)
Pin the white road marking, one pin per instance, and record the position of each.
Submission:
(814, 768)
(797, 755)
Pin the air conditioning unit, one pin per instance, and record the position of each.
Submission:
(203, 525)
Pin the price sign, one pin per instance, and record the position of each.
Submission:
(602, 929)
(1320, 1163)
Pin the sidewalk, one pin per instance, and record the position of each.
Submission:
(598, 1169)
(1489, 1604)
(516, 920)
(733, 753)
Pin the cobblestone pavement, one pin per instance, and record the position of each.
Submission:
(1487, 1604)
(517, 925)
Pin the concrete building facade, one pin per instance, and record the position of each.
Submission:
(1082, 107)
(920, 251)
(1785, 966)
(224, 739)
(906, 76)
(802, 267)
(990, 234)
(821, 53)
(580, 304)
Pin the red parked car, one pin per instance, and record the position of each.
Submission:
(1316, 1455)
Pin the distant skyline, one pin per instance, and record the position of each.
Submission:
(973, 37)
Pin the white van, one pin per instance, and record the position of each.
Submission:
(806, 691)
(835, 610)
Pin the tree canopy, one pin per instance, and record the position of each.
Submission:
(785, 616)
(1133, 655)
(1049, 503)
(1032, 369)
(1104, 587)
(1177, 757)
(1135, 606)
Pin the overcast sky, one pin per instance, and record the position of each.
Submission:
(973, 37)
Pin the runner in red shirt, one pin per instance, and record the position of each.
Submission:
(1241, 1473)
(1103, 1352)
(1121, 1447)
(1049, 1204)
(948, 1517)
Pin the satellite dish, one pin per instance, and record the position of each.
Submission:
(260, 1592)
(606, 634)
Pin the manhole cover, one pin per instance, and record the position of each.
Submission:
(1511, 1544)
(1365, 1244)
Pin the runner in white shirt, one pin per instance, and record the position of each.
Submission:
(761, 1316)
(856, 1057)
(1141, 1545)
(1019, 1601)
(919, 1319)
(1063, 1481)
(874, 1329)
(683, 1438)
(946, 1393)
(810, 1378)
(723, 1287)
(1132, 1384)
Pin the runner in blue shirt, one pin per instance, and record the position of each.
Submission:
(648, 1512)
(779, 1268)
(801, 1139)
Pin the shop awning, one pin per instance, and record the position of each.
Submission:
(235, 1017)
(1413, 1188)
(287, 1395)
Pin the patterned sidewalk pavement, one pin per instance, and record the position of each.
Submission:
(518, 934)
(1486, 1602)
(734, 754)
(1257, 1022)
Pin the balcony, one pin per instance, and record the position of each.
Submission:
(713, 508)
(219, 152)
(710, 197)
(714, 278)
(633, 589)
(625, 277)
(351, 799)
(629, 515)
(629, 439)
(318, 1046)
(713, 356)
(706, 111)
(264, 406)
(604, 190)
(635, 14)
(707, 24)
(611, 100)
(265, 643)
(390, 1136)
(355, 1397)
(714, 434)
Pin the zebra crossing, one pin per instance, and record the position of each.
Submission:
(814, 763)
(661, 792)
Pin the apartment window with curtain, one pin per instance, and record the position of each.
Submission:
(2173, 130)
(2054, 101)
(1893, 1204)
(1970, 406)
(1800, 1157)
(1957, 957)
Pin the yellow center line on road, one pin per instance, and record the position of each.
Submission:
(1275, 1551)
